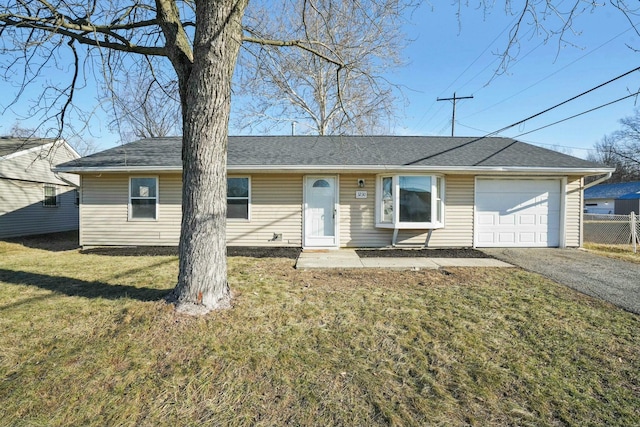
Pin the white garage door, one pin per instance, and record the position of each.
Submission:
(517, 213)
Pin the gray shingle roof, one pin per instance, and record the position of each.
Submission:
(290, 152)
(9, 145)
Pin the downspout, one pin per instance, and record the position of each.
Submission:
(63, 179)
(598, 181)
(589, 185)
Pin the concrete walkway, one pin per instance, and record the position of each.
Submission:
(348, 258)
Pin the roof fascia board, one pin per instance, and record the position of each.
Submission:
(117, 169)
(69, 147)
(401, 168)
(354, 168)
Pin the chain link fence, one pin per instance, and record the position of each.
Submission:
(607, 229)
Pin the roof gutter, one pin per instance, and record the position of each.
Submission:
(349, 168)
(598, 181)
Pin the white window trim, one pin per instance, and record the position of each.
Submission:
(44, 195)
(248, 198)
(395, 222)
(157, 199)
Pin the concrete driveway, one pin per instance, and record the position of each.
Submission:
(609, 279)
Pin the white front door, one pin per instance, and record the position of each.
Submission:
(320, 211)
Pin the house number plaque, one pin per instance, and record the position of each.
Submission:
(360, 194)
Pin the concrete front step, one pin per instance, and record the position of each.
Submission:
(348, 258)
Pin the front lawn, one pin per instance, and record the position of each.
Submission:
(623, 252)
(86, 341)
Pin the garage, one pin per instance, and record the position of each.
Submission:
(517, 212)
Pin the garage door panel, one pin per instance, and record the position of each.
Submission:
(487, 219)
(507, 220)
(486, 238)
(527, 237)
(506, 237)
(523, 213)
(527, 219)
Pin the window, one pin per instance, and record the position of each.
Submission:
(321, 183)
(50, 199)
(143, 198)
(387, 199)
(415, 198)
(238, 198)
(410, 201)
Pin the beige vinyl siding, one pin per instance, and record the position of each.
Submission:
(276, 209)
(276, 203)
(105, 215)
(573, 212)
(458, 209)
(22, 212)
(357, 216)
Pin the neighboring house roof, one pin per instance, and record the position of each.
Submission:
(630, 196)
(9, 145)
(277, 153)
(612, 191)
(32, 160)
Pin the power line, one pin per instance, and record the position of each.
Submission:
(532, 142)
(550, 75)
(474, 140)
(481, 54)
(573, 98)
(468, 67)
(579, 114)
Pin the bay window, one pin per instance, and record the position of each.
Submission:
(410, 201)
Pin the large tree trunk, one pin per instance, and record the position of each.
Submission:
(205, 95)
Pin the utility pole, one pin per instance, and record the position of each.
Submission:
(454, 99)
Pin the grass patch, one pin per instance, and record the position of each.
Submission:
(623, 252)
(86, 341)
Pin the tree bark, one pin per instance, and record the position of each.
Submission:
(205, 97)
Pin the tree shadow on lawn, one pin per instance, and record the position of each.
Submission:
(81, 288)
(53, 242)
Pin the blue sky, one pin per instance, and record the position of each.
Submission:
(447, 56)
(450, 55)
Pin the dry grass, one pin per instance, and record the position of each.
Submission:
(86, 341)
(623, 252)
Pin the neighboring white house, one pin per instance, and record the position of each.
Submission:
(33, 198)
(601, 199)
(345, 191)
